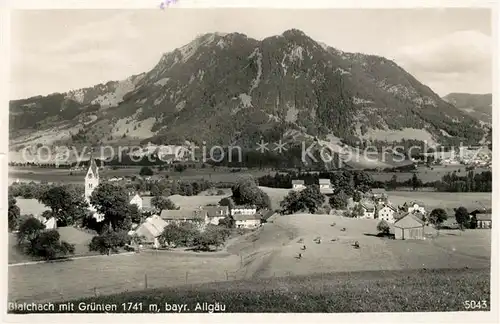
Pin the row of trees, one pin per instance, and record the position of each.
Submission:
(188, 234)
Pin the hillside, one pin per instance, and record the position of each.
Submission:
(477, 105)
(232, 88)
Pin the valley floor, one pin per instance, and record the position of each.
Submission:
(268, 252)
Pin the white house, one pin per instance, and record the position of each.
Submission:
(325, 186)
(50, 223)
(298, 184)
(387, 213)
(247, 221)
(91, 182)
(177, 216)
(416, 206)
(135, 200)
(368, 210)
(243, 210)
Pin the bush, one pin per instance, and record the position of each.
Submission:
(383, 227)
(146, 171)
(47, 244)
(109, 242)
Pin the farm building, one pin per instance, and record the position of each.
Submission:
(368, 210)
(216, 213)
(151, 229)
(409, 227)
(298, 184)
(483, 220)
(185, 215)
(247, 221)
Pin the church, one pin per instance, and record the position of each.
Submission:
(92, 181)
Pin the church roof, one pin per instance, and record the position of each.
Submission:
(93, 166)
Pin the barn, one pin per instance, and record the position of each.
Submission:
(409, 227)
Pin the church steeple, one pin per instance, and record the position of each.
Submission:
(91, 178)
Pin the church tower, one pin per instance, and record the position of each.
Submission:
(91, 180)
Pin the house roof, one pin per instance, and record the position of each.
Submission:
(483, 217)
(297, 181)
(241, 217)
(244, 207)
(391, 207)
(181, 214)
(408, 221)
(214, 211)
(151, 228)
(324, 181)
(413, 202)
(268, 214)
(378, 191)
(132, 195)
(367, 205)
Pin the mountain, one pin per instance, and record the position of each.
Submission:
(476, 105)
(226, 88)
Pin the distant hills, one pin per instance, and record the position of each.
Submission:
(229, 88)
(476, 105)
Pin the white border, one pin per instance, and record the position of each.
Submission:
(452, 317)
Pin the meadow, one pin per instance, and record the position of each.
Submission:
(367, 291)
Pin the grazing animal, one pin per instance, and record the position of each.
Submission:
(342, 229)
(304, 247)
(318, 241)
(356, 245)
(300, 256)
(333, 224)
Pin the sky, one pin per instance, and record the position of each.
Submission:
(449, 50)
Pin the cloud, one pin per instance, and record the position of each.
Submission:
(461, 60)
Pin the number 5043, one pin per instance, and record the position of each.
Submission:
(476, 304)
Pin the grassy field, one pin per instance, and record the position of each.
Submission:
(379, 291)
(430, 199)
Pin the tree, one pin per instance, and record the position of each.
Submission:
(462, 217)
(246, 192)
(14, 213)
(228, 201)
(112, 201)
(358, 211)
(437, 216)
(227, 222)
(339, 200)
(383, 227)
(182, 234)
(146, 171)
(393, 183)
(162, 203)
(310, 199)
(47, 244)
(29, 228)
(212, 236)
(356, 196)
(109, 241)
(67, 205)
(415, 182)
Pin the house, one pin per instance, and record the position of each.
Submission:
(325, 186)
(135, 199)
(178, 216)
(216, 213)
(298, 184)
(243, 210)
(151, 229)
(387, 213)
(379, 195)
(368, 209)
(409, 227)
(267, 214)
(50, 223)
(416, 206)
(247, 221)
(483, 220)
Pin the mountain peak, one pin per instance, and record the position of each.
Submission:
(293, 32)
